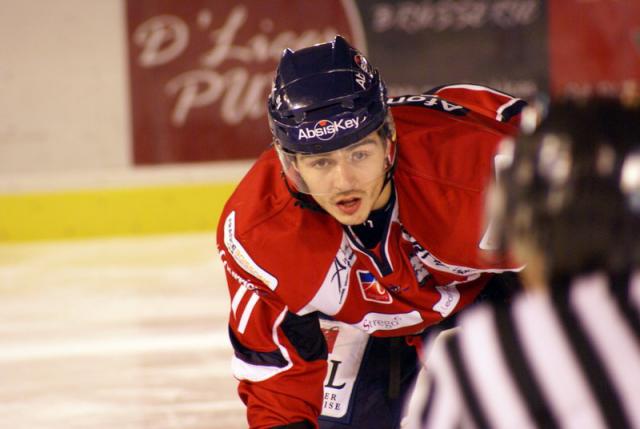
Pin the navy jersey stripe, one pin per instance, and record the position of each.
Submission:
(245, 354)
(512, 110)
(305, 335)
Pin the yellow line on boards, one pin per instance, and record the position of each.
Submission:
(111, 212)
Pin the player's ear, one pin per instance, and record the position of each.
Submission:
(389, 139)
(295, 164)
(387, 154)
(389, 147)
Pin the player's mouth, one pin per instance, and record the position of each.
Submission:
(349, 205)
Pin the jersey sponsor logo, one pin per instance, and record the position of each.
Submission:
(372, 322)
(419, 269)
(428, 259)
(449, 298)
(325, 129)
(430, 101)
(371, 289)
(240, 255)
(237, 277)
(346, 352)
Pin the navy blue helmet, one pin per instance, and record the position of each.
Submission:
(325, 97)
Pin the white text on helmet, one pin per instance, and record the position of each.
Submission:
(326, 130)
(361, 80)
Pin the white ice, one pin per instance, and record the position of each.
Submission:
(120, 332)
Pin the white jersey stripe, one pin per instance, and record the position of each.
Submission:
(246, 314)
(475, 88)
(499, 117)
(237, 298)
(611, 337)
(558, 373)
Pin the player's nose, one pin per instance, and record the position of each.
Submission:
(343, 177)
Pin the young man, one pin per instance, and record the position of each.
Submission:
(566, 353)
(366, 213)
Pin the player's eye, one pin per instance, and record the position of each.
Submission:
(359, 155)
(320, 163)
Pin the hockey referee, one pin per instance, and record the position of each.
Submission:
(565, 353)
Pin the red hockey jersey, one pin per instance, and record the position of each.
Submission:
(285, 263)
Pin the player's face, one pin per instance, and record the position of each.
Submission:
(347, 183)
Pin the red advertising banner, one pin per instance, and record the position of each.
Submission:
(200, 70)
(594, 46)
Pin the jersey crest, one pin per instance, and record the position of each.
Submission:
(371, 289)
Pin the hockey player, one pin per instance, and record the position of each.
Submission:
(566, 353)
(364, 213)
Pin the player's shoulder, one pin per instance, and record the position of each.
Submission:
(259, 197)
(489, 102)
(462, 100)
(450, 134)
(261, 213)
(273, 240)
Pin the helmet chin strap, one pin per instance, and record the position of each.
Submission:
(302, 200)
(388, 178)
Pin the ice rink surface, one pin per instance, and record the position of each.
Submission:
(123, 333)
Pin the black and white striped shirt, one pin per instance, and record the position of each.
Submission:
(571, 361)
